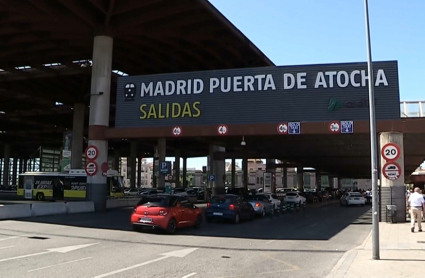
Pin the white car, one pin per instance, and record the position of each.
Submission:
(352, 198)
(294, 197)
(273, 200)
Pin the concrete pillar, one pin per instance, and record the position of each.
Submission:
(318, 180)
(285, 177)
(233, 172)
(271, 168)
(14, 170)
(132, 163)
(78, 136)
(218, 169)
(6, 162)
(99, 116)
(245, 172)
(177, 169)
(139, 172)
(184, 172)
(162, 149)
(392, 174)
(300, 179)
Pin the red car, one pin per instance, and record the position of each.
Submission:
(167, 212)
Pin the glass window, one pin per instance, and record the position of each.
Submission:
(221, 200)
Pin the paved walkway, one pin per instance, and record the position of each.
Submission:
(402, 254)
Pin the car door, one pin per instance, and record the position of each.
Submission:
(187, 213)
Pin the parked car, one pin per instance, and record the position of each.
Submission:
(230, 207)
(311, 197)
(148, 192)
(165, 211)
(261, 204)
(294, 197)
(352, 198)
(273, 199)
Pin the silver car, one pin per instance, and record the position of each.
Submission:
(261, 204)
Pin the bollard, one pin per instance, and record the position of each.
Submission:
(297, 207)
(304, 206)
(291, 207)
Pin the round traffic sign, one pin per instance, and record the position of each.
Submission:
(91, 168)
(390, 151)
(92, 152)
(177, 131)
(222, 129)
(334, 127)
(391, 171)
(282, 128)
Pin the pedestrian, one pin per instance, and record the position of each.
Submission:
(416, 204)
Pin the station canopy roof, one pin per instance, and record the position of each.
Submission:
(45, 68)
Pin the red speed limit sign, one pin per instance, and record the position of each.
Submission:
(390, 152)
(92, 152)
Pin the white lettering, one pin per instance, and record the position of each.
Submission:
(346, 79)
(331, 75)
(381, 78)
(364, 78)
(237, 83)
(159, 90)
(288, 81)
(249, 82)
(181, 87)
(320, 80)
(214, 82)
(353, 78)
(259, 78)
(146, 90)
(198, 86)
(226, 89)
(169, 88)
(269, 82)
(189, 86)
(300, 79)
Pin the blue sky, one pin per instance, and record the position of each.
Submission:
(296, 32)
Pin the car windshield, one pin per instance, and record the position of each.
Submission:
(221, 200)
(158, 201)
(291, 194)
(355, 195)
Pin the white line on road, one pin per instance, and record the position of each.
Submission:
(12, 237)
(270, 241)
(24, 256)
(49, 266)
(189, 275)
(5, 247)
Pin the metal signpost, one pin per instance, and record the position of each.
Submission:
(373, 145)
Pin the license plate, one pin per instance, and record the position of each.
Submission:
(145, 220)
(218, 213)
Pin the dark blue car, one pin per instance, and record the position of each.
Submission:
(229, 207)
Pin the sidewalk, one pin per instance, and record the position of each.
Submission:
(401, 255)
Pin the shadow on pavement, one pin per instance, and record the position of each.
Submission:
(310, 224)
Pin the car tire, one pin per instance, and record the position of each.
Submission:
(236, 219)
(171, 227)
(39, 196)
(198, 222)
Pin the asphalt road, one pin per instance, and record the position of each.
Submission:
(304, 244)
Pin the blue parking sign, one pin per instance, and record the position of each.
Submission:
(211, 178)
(165, 167)
(347, 126)
(294, 128)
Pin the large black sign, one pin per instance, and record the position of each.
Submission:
(258, 95)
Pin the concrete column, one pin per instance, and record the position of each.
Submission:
(300, 179)
(271, 168)
(318, 180)
(14, 170)
(77, 136)
(132, 163)
(162, 149)
(392, 175)
(218, 169)
(6, 162)
(99, 115)
(233, 172)
(184, 172)
(177, 169)
(139, 172)
(245, 172)
(285, 177)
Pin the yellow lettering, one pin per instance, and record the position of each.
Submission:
(142, 109)
(198, 111)
(160, 116)
(152, 112)
(168, 110)
(175, 114)
(186, 110)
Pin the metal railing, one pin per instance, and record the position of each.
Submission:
(412, 109)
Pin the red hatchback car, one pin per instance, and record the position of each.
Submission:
(167, 212)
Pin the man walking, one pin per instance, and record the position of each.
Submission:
(417, 205)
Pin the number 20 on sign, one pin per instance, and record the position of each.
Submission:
(390, 152)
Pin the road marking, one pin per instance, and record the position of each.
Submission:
(12, 237)
(270, 241)
(5, 247)
(57, 250)
(178, 253)
(294, 267)
(189, 275)
(49, 266)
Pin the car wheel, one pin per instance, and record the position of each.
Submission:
(39, 196)
(236, 219)
(198, 222)
(172, 225)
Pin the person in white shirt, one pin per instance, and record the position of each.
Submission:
(417, 205)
